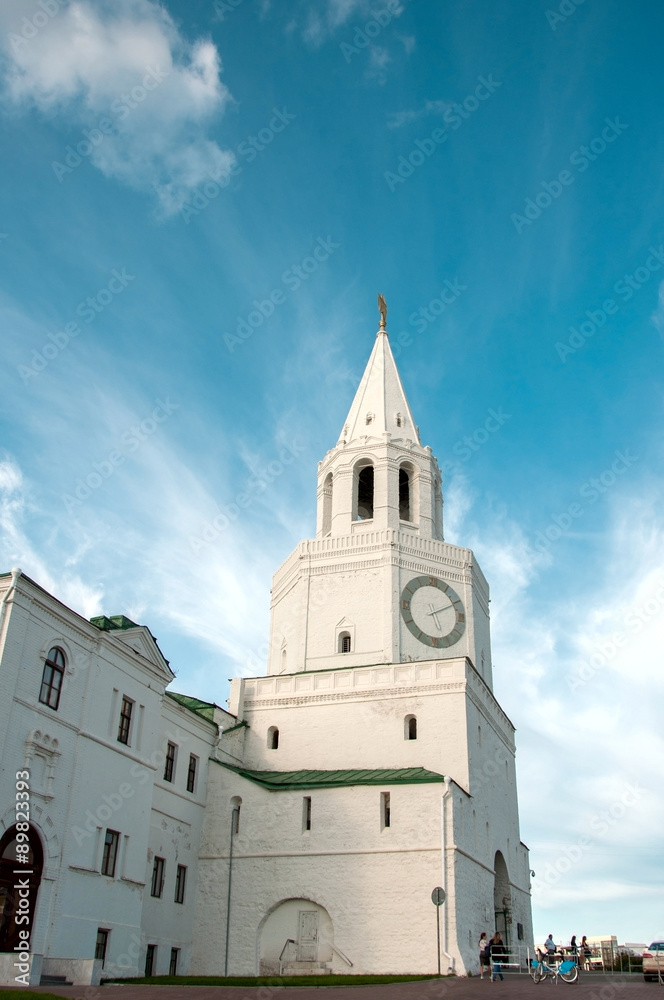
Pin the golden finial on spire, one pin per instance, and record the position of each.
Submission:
(382, 309)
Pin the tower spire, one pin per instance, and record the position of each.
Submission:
(380, 405)
(382, 309)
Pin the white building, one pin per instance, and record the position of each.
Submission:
(306, 829)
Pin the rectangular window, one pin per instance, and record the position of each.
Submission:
(51, 685)
(169, 766)
(150, 959)
(191, 773)
(110, 855)
(173, 967)
(384, 810)
(158, 877)
(306, 812)
(101, 945)
(125, 721)
(180, 879)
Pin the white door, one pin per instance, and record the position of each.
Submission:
(307, 943)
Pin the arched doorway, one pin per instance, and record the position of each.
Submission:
(296, 934)
(26, 882)
(502, 898)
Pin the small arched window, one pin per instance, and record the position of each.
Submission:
(54, 672)
(410, 727)
(344, 642)
(399, 420)
(273, 738)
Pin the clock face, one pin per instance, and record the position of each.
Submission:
(433, 612)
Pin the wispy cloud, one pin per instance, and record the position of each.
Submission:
(437, 108)
(123, 73)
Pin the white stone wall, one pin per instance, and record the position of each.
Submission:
(84, 781)
(374, 883)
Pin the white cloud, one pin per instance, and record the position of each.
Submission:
(125, 63)
(401, 118)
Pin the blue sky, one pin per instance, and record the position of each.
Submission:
(199, 204)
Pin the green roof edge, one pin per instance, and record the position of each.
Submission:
(372, 776)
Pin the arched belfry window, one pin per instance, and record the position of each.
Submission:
(327, 505)
(273, 738)
(405, 509)
(365, 493)
(410, 727)
(345, 643)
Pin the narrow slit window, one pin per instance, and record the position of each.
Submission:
(273, 738)
(191, 773)
(158, 871)
(306, 813)
(384, 810)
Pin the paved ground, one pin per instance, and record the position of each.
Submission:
(588, 987)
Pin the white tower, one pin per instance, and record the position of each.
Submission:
(379, 584)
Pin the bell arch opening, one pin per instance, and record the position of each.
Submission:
(327, 505)
(363, 506)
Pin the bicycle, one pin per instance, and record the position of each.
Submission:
(567, 971)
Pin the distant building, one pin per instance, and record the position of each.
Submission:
(305, 829)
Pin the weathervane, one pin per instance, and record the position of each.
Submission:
(382, 309)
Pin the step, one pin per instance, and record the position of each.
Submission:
(54, 981)
(305, 969)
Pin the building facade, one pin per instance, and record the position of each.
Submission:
(304, 829)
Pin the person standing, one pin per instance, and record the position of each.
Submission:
(483, 946)
(584, 952)
(550, 946)
(573, 950)
(497, 951)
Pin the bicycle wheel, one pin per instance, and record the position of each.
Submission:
(538, 974)
(571, 975)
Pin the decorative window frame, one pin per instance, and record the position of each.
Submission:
(40, 744)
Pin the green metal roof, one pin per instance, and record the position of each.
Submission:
(203, 708)
(281, 780)
(114, 622)
(238, 725)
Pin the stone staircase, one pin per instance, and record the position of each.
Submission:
(54, 981)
